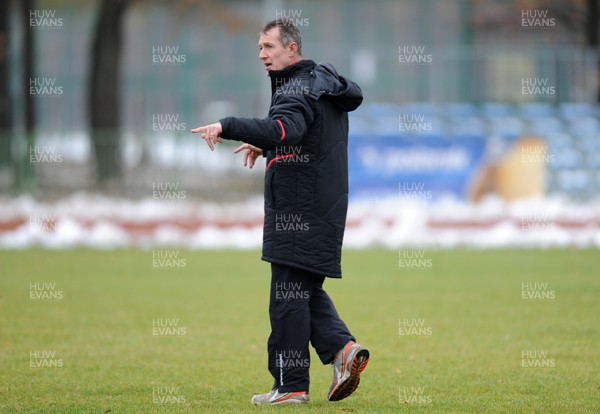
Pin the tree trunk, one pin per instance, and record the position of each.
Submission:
(24, 171)
(5, 107)
(593, 14)
(104, 93)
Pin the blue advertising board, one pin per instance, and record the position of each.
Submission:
(424, 167)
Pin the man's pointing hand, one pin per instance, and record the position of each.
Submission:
(211, 134)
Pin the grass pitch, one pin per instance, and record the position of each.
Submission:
(453, 335)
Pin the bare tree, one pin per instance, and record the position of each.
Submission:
(104, 102)
(5, 108)
(23, 169)
(593, 15)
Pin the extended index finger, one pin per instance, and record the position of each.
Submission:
(200, 129)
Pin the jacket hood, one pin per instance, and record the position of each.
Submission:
(345, 94)
(324, 82)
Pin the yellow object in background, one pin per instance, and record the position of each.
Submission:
(520, 173)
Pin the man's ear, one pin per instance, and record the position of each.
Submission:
(293, 48)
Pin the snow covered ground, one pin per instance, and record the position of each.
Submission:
(103, 222)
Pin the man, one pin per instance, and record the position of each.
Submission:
(304, 139)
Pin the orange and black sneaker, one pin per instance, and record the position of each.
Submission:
(347, 365)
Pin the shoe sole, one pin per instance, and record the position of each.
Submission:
(280, 402)
(347, 387)
(289, 400)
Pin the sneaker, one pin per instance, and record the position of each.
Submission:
(276, 397)
(347, 365)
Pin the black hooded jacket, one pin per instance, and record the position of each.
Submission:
(304, 138)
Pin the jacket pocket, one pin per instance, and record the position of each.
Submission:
(269, 189)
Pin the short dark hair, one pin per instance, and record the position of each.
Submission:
(288, 32)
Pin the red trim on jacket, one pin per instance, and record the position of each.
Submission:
(279, 157)
(282, 129)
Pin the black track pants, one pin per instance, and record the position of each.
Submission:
(300, 310)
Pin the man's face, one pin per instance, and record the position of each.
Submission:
(272, 53)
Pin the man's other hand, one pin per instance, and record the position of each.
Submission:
(251, 154)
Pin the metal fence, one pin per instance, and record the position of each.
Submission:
(183, 67)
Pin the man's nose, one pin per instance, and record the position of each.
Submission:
(262, 55)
